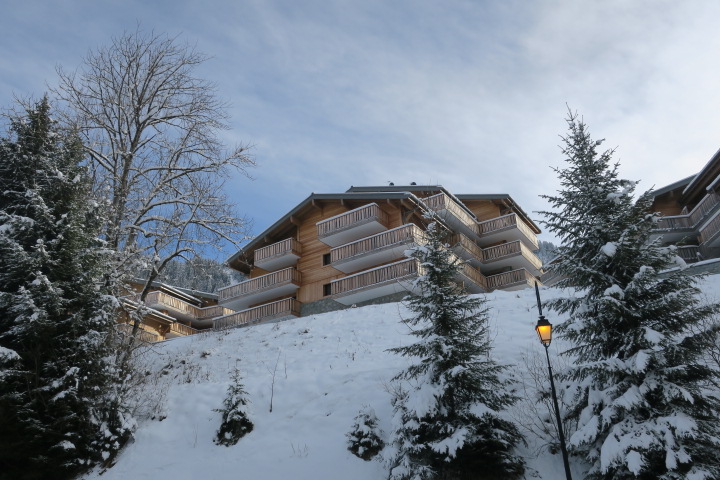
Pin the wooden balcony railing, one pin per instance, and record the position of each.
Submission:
(376, 276)
(213, 311)
(286, 275)
(161, 298)
(358, 216)
(396, 236)
(677, 222)
(173, 303)
(510, 249)
(141, 334)
(505, 222)
(709, 231)
(443, 202)
(704, 207)
(181, 329)
(689, 253)
(474, 275)
(513, 277)
(283, 247)
(692, 219)
(280, 308)
(463, 241)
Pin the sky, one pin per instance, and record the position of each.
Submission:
(472, 95)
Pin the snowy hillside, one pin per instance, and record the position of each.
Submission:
(325, 368)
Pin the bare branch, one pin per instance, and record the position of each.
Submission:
(152, 133)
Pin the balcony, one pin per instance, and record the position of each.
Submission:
(514, 255)
(472, 279)
(142, 335)
(377, 282)
(353, 225)
(689, 253)
(279, 255)
(466, 249)
(710, 233)
(288, 307)
(180, 309)
(260, 289)
(375, 250)
(507, 228)
(452, 214)
(512, 280)
(677, 227)
(180, 330)
(213, 311)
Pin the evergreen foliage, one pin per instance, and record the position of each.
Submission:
(365, 437)
(642, 408)
(547, 251)
(235, 422)
(58, 414)
(448, 421)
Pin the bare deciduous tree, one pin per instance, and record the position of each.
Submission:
(152, 131)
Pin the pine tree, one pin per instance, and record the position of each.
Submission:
(58, 416)
(642, 408)
(235, 415)
(365, 437)
(448, 421)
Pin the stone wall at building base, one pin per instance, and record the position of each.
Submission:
(329, 305)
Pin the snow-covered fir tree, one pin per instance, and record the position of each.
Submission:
(365, 438)
(448, 405)
(58, 414)
(641, 399)
(547, 251)
(236, 421)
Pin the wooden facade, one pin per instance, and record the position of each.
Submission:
(690, 211)
(366, 229)
(170, 312)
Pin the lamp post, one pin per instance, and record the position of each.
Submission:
(544, 331)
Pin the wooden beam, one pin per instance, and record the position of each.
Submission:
(294, 220)
(405, 203)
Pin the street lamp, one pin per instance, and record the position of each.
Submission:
(544, 331)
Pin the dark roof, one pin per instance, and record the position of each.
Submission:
(673, 186)
(500, 196)
(187, 294)
(380, 192)
(697, 187)
(398, 188)
(364, 195)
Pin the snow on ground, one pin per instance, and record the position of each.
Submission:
(325, 368)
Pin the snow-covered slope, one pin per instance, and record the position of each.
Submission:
(325, 368)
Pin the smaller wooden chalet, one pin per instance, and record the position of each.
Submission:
(337, 250)
(691, 213)
(171, 312)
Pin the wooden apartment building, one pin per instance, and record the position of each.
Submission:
(691, 213)
(171, 312)
(336, 250)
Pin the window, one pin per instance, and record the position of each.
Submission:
(327, 290)
(326, 259)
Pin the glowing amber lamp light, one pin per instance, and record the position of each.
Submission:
(544, 331)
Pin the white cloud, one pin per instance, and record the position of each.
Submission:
(468, 94)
